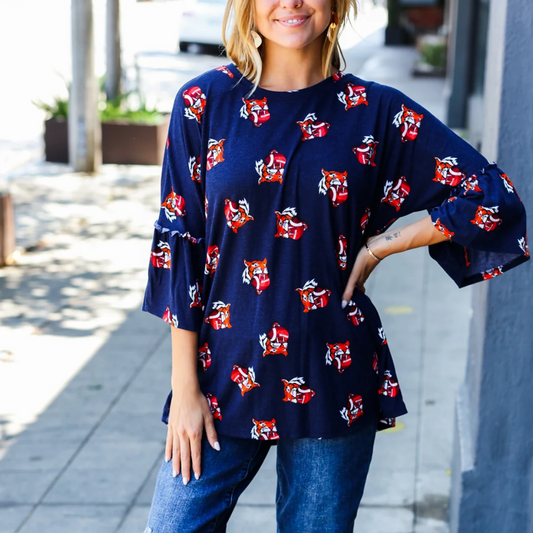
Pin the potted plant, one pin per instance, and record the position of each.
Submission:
(56, 130)
(132, 134)
(432, 56)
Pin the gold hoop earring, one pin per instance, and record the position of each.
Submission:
(333, 26)
(257, 39)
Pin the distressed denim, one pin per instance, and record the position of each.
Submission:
(319, 488)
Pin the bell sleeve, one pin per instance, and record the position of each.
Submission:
(424, 165)
(177, 257)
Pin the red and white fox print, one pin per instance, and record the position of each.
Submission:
(389, 387)
(342, 254)
(276, 341)
(335, 185)
(288, 225)
(194, 100)
(195, 294)
(271, 168)
(256, 273)
(211, 260)
(169, 318)
(195, 168)
(225, 70)
(366, 151)
(355, 315)
(219, 318)
(471, 183)
(486, 218)
(204, 356)
(396, 193)
(509, 187)
(375, 362)
(264, 429)
(312, 128)
(244, 378)
(353, 409)
(160, 257)
(382, 336)
(312, 296)
(215, 153)
(409, 123)
(255, 110)
(447, 172)
(213, 406)
(522, 242)
(352, 96)
(174, 206)
(492, 272)
(338, 355)
(365, 218)
(443, 229)
(237, 214)
(296, 391)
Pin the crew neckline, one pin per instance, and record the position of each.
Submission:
(305, 91)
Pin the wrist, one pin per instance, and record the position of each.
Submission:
(185, 384)
(378, 246)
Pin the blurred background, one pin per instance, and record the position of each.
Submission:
(86, 89)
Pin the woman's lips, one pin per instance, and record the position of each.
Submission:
(298, 22)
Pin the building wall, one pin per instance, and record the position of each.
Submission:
(492, 488)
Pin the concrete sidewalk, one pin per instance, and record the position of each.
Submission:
(84, 374)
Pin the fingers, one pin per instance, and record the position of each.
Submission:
(211, 433)
(185, 457)
(168, 446)
(175, 455)
(196, 453)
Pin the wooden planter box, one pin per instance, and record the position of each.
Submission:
(7, 228)
(123, 143)
(56, 140)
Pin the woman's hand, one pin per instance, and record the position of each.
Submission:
(362, 268)
(189, 414)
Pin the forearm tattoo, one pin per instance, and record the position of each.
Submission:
(394, 235)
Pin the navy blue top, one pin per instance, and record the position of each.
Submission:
(265, 203)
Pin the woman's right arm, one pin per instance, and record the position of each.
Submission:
(189, 409)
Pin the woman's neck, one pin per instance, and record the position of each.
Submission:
(287, 69)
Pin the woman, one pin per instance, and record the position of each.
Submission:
(281, 177)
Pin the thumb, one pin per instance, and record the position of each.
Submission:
(211, 433)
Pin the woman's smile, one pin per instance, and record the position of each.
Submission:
(292, 22)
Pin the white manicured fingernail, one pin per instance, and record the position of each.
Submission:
(196, 476)
(344, 303)
(185, 480)
(174, 473)
(167, 458)
(217, 446)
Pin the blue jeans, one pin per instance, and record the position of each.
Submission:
(320, 485)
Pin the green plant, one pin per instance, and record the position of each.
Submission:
(120, 109)
(434, 54)
(58, 109)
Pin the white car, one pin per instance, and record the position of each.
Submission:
(201, 23)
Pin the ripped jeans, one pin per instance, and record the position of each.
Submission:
(320, 485)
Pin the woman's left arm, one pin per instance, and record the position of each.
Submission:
(476, 228)
(415, 235)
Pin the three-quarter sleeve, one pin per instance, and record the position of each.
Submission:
(424, 165)
(177, 258)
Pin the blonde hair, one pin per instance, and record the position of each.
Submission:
(240, 47)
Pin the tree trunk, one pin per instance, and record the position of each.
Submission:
(84, 126)
(113, 64)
